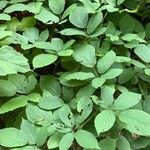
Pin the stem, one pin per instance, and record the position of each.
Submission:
(95, 71)
(89, 119)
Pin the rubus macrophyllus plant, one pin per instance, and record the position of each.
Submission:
(75, 74)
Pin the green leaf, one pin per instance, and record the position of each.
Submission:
(79, 76)
(66, 116)
(94, 21)
(104, 121)
(13, 104)
(50, 84)
(68, 52)
(30, 131)
(16, 7)
(136, 121)
(130, 37)
(134, 24)
(3, 3)
(98, 82)
(57, 6)
(41, 136)
(33, 7)
(119, 2)
(126, 75)
(43, 60)
(79, 17)
(42, 45)
(84, 107)
(31, 34)
(12, 137)
(72, 31)
(147, 31)
(143, 52)
(99, 31)
(106, 61)
(108, 144)
(23, 84)
(4, 16)
(112, 73)
(44, 35)
(123, 144)
(89, 142)
(107, 92)
(88, 60)
(126, 100)
(50, 102)
(146, 105)
(69, 10)
(66, 141)
(12, 61)
(38, 116)
(28, 22)
(7, 88)
(56, 44)
(53, 141)
(46, 16)
(27, 148)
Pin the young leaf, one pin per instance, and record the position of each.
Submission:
(126, 100)
(86, 140)
(66, 141)
(43, 60)
(104, 121)
(12, 137)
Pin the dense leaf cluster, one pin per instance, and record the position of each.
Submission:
(75, 74)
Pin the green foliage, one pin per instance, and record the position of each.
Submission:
(74, 74)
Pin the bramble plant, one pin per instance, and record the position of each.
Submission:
(75, 74)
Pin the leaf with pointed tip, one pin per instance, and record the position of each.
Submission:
(104, 121)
